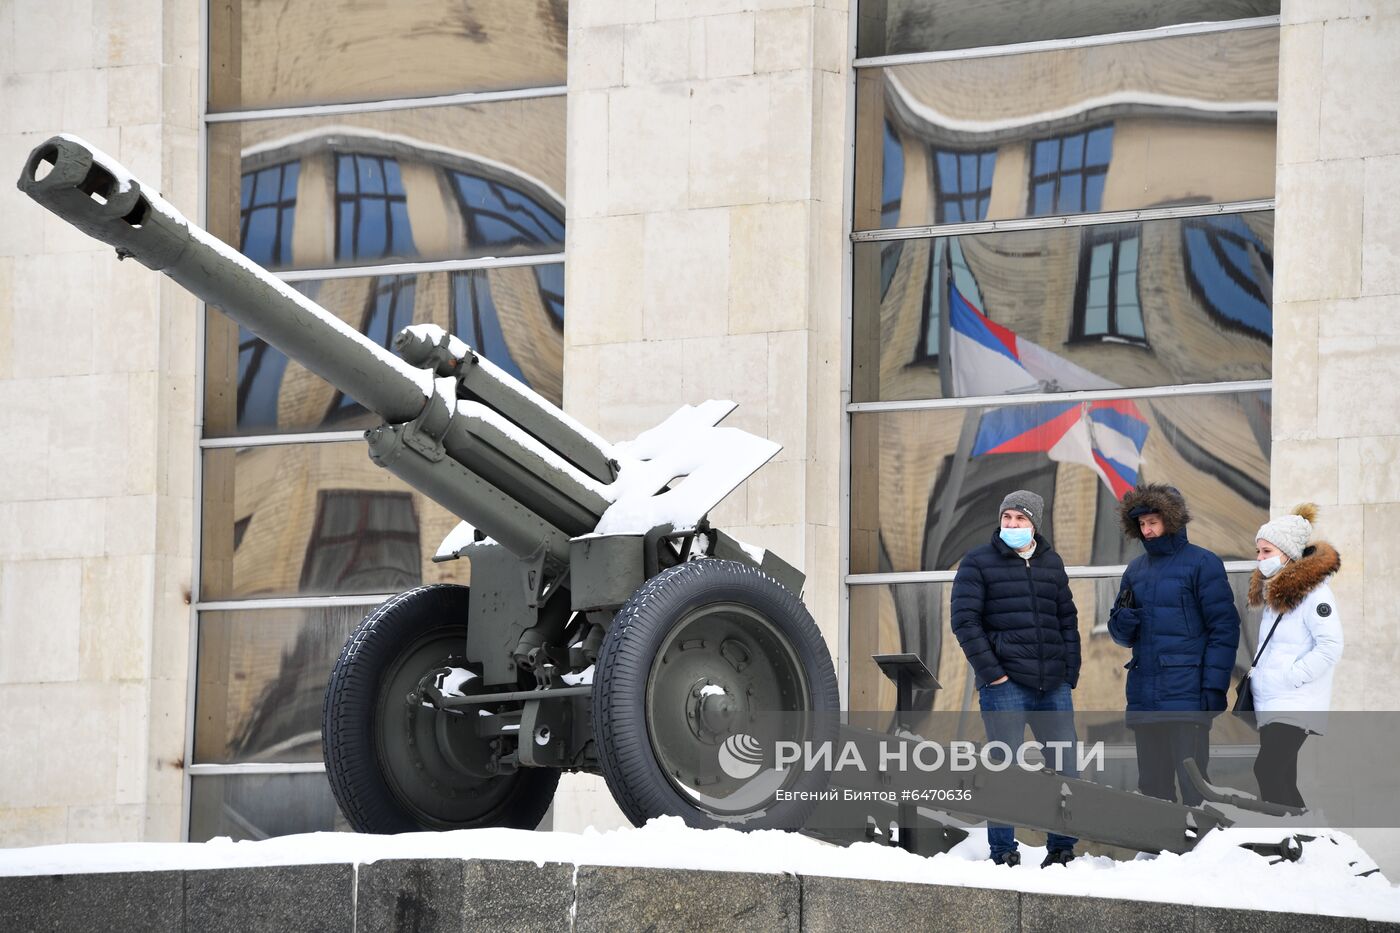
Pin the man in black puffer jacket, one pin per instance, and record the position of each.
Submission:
(1016, 622)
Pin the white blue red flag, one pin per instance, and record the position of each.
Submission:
(988, 359)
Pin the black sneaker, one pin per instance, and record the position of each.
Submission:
(1058, 857)
(1010, 859)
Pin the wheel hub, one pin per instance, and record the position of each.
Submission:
(721, 666)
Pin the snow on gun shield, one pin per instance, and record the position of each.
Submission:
(607, 628)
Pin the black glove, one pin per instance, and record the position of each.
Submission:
(1126, 600)
(1213, 700)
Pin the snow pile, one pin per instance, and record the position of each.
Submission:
(1217, 874)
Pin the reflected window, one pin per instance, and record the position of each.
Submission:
(1067, 172)
(389, 311)
(371, 208)
(891, 179)
(948, 274)
(1230, 270)
(260, 370)
(475, 320)
(267, 211)
(1106, 302)
(362, 542)
(502, 217)
(963, 182)
(550, 280)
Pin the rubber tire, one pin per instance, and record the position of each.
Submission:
(638, 784)
(348, 713)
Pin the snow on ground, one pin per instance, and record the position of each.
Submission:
(1217, 874)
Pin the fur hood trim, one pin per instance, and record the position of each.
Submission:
(1165, 500)
(1287, 589)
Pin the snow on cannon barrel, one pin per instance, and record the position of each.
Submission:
(607, 628)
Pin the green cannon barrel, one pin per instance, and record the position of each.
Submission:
(523, 490)
(90, 191)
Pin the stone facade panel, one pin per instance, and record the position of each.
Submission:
(685, 274)
(728, 142)
(729, 45)
(1356, 51)
(1300, 83)
(649, 149)
(769, 268)
(596, 57)
(39, 603)
(1380, 244)
(1320, 258)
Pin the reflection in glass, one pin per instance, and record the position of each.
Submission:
(898, 27)
(1153, 303)
(514, 316)
(362, 542)
(503, 218)
(1181, 120)
(1106, 300)
(333, 51)
(371, 209)
(1230, 269)
(267, 211)
(313, 520)
(926, 484)
(963, 182)
(436, 183)
(261, 679)
(257, 806)
(916, 618)
(1067, 172)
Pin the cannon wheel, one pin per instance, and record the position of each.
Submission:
(399, 767)
(691, 653)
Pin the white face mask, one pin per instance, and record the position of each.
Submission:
(1270, 565)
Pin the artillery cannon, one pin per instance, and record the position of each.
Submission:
(607, 628)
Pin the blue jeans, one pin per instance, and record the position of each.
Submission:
(1009, 702)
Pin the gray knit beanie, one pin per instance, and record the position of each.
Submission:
(1025, 502)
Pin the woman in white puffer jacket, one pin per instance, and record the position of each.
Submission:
(1292, 681)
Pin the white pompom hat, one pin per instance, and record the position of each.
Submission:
(1290, 533)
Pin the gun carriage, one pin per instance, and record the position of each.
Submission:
(608, 627)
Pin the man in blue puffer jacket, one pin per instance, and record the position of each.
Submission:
(1176, 611)
(1016, 622)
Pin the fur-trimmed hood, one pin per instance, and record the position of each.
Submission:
(1287, 589)
(1165, 500)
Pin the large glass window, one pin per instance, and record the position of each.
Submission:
(435, 183)
(314, 520)
(1070, 353)
(926, 483)
(902, 27)
(1099, 306)
(1185, 119)
(387, 210)
(285, 55)
(514, 315)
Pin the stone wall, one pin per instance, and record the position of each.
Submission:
(1337, 315)
(444, 896)
(706, 161)
(97, 402)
